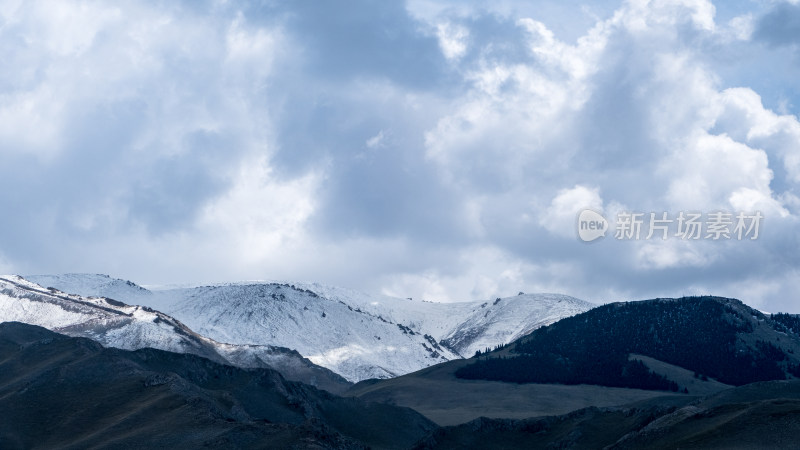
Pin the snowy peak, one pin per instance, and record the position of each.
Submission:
(352, 342)
(504, 320)
(113, 323)
(92, 285)
(110, 322)
(464, 327)
(433, 318)
(354, 334)
(358, 335)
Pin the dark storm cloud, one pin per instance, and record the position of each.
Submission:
(369, 38)
(780, 26)
(167, 196)
(388, 192)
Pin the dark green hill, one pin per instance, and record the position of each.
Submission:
(63, 392)
(715, 337)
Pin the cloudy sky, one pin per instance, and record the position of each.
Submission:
(428, 149)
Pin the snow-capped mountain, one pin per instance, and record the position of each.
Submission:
(464, 327)
(354, 343)
(504, 320)
(93, 285)
(110, 322)
(131, 327)
(354, 334)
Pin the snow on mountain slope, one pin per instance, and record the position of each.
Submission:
(464, 327)
(112, 323)
(93, 285)
(433, 318)
(129, 327)
(356, 335)
(350, 341)
(504, 320)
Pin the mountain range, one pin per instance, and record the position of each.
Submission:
(358, 336)
(611, 355)
(132, 327)
(693, 372)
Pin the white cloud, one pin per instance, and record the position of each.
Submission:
(375, 141)
(452, 39)
(670, 253)
(741, 27)
(70, 29)
(560, 216)
(171, 142)
(483, 272)
(742, 114)
(30, 122)
(646, 15)
(749, 200)
(711, 168)
(261, 216)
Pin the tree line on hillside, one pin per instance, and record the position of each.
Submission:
(788, 323)
(697, 333)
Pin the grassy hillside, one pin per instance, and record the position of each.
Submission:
(447, 400)
(756, 416)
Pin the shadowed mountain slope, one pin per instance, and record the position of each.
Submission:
(58, 391)
(755, 416)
